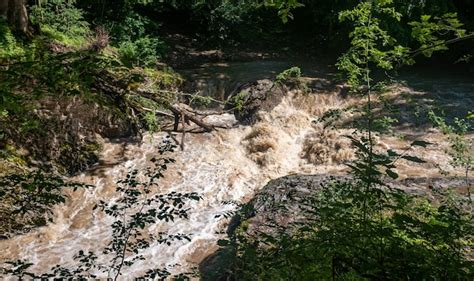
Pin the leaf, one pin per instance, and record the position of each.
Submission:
(420, 143)
(392, 174)
(222, 242)
(413, 159)
(392, 153)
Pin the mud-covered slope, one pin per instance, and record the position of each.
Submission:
(56, 113)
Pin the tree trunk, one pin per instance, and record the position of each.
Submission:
(3, 8)
(16, 15)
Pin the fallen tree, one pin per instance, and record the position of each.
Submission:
(185, 119)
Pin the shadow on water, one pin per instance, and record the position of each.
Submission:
(448, 92)
(220, 80)
(445, 89)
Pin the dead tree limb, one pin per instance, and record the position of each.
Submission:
(179, 111)
(183, 124)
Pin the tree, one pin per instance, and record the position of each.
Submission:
(16, 14)
(364, 228)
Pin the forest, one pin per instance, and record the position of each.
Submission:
(236, 140)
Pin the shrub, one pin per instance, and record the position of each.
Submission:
(402, 237)
(291, 73)
(132, 27)
(9, 47)
(62, 21)
(141, 52)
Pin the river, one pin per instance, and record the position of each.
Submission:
(228, 165)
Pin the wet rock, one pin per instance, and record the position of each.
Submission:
(250, 98)
(275, 208)
(277, 202)
(217, 267)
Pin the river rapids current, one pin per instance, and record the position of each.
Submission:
(228, 165)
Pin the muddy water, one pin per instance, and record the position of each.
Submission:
(222, 166)
(220, 80)
(215, 165)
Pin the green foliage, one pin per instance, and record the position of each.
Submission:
(61, 21)
(362, 228)
(56, 36)
(163, 79)
(27, 199)
(201, 100)
(9, 46)
(232, 22)
(132, 27)
(292, 77)
(284, 8)
(227, 17)
(69, 73)
(430, 30)
(141, 52)
(238, 101)
(288, 74)
(151, 121)
(76, 77)
(128, 231)
(462, 146)
(60, 15)
(135, 36)
(370, 44)
(349, 234)
(33, 192)
(356, 230)
(384, 124)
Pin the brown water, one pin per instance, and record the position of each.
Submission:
(222, 166)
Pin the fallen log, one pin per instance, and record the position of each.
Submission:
(180, 112)
(180, 109)
(183, 110)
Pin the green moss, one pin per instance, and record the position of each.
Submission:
(244, 226)
(11, 159)
(163, 79)
(17, 160)
(92, 147)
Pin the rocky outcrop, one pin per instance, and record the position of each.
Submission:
(250, 98)
(276, 207)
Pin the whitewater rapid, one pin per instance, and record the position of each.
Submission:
(228, 165)
(221, 167)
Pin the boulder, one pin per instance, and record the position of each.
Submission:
(276, 207)
(250, 98)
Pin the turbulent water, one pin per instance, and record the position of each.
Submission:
(223, 166)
